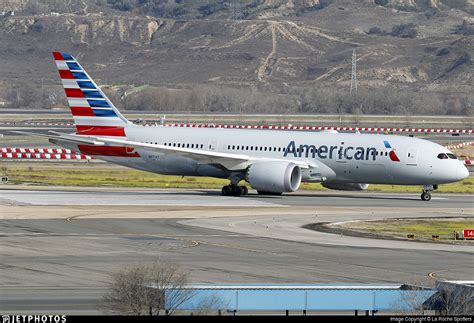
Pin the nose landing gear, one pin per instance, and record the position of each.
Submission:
(426, 195)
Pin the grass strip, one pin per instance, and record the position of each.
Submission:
(420, 229)
(104, 175)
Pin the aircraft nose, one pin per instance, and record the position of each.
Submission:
(462, 172)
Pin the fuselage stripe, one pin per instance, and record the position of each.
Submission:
(112, 151)
(100, 131)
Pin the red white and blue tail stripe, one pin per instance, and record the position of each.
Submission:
(93, 112)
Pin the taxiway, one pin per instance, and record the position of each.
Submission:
(60, 245)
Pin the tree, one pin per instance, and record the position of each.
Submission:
(147, 289)
(404, 31)
(452, 299)
(375, 31)
(210, 305)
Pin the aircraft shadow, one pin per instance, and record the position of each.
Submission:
(345, 196)
(205, 192)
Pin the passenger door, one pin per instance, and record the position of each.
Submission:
(212, 145)
(412, 156)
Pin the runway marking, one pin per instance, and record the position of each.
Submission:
(433, 274)
(195, 244)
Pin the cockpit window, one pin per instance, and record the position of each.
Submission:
(452, 156)
(442, 156)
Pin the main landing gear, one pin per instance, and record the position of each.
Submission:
(234, 190)
(426, 195)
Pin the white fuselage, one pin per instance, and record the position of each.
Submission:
(337, 157)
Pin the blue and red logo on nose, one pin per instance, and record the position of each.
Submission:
(393, 156)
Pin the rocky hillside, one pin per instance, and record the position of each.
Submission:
(278, 47)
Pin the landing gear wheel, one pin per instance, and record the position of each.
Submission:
(234, 190)
(426, 196)
(226, 190)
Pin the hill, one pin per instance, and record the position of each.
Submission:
(413, 57)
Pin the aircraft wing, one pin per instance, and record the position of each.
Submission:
(236, 162)
(229, 161)
(90, 140)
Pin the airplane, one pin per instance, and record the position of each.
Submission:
(271, 161)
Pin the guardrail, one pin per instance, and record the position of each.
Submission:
(41, 153)
(320, 128)
(273, 127)
(461, 145)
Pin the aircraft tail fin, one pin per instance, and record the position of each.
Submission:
(93, 112)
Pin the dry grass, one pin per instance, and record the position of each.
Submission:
(421, 229)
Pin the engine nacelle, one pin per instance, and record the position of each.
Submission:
(274, 176)
(346, 186)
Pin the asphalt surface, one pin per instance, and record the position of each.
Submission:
(59, 246)
(105, 196)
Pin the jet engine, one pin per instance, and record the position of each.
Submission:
(346, 186)
(274, 176)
